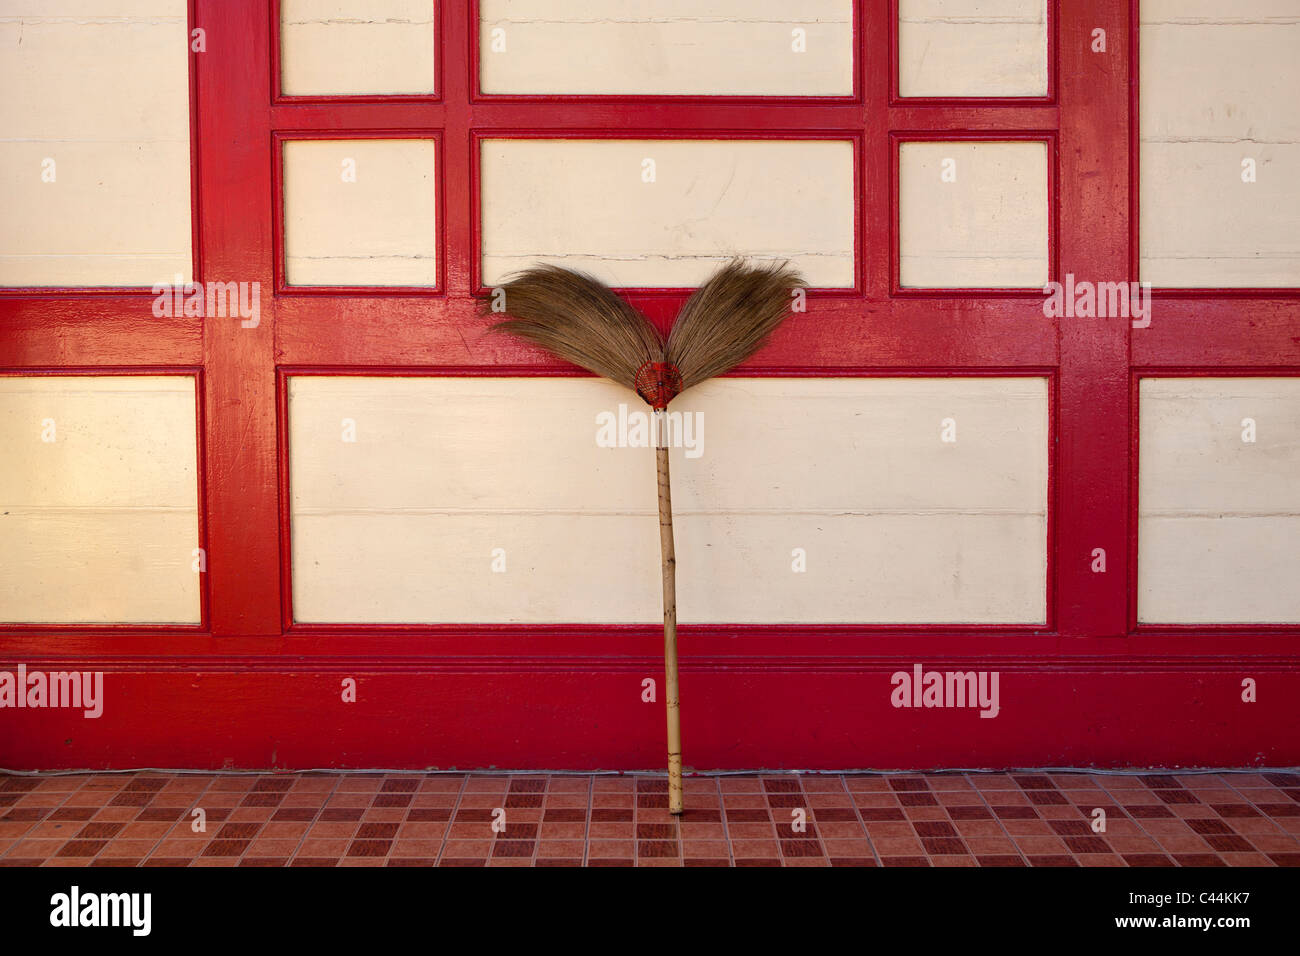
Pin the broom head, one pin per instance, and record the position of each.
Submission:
(579, 319)
(729, 318)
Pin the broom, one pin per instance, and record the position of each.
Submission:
(580, 320)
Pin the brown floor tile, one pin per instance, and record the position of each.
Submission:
(323, 819)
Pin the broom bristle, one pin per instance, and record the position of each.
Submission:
(578, 319)
(729, 318)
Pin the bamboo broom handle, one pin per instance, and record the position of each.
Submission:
(670, 629)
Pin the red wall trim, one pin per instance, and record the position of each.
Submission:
(549, 715)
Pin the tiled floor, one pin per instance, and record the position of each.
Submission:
(1018, 819)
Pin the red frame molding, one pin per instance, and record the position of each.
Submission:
(252, 689)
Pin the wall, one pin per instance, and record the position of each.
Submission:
(1101, 532)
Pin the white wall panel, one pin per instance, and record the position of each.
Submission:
(361, 212)
(1219, 517)
(99, 524)
(973, 215)
(357, 47)
(94, 142)
(897, 525)
(1218, 87)
(586, 204)
(972, 48)
(671, 47)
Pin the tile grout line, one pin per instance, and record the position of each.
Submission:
(325, 799)
(1087, 819)
(537, 836)
(771, 821)
(455, 808)
(586, 830)
(857, 814)
(636, 813)
(244, 852)
(187, 815)
(18, 839)
(912, 822)
(31, 824)
(213, 837)
(118, 792)
(1078, 857)
(807, 809)
(902, 808)
(681, 838)
(55, 854)
(1154, 838)
(958, 835)
(722, 818)
(36, 823)
(185, 812)
(1237, 790)
(388, 854)
(496, 836)
(858, 809)
(998, 820)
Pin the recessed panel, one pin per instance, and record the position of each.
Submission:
(1220, 143)
(94, 143)
(671, 47)
(98, 500)
(1219, 501)
(667, 213)
(358, 47)
(973, 215)
(796, 500)
(957, 48)
(360, 212)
